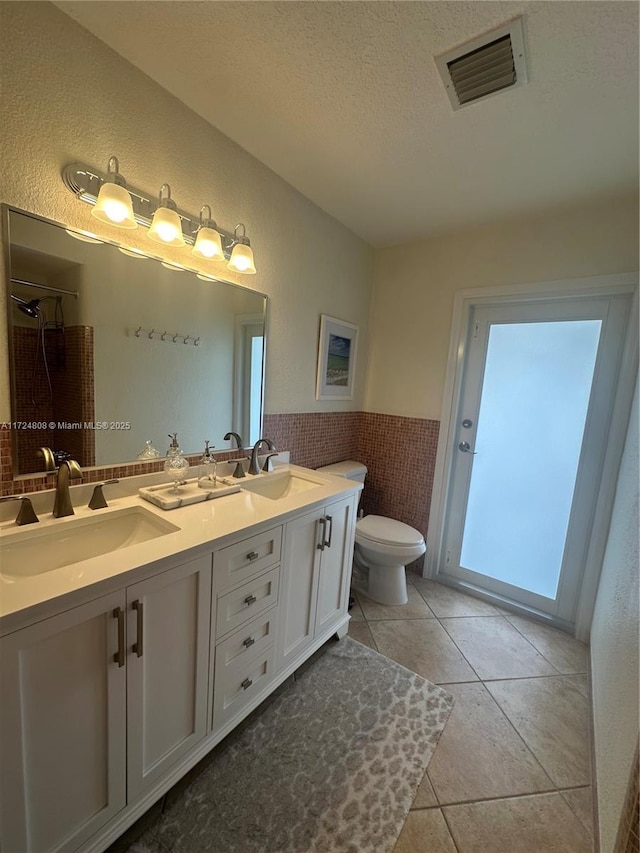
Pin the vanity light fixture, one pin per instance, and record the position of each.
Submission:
(208, 243)
(84, 236)
(133, 253)
(171, 266)
(113, 205)
(241, 259)
(166, 226)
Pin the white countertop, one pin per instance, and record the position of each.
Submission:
(200, 526)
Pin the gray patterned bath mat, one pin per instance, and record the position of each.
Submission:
(331, 766)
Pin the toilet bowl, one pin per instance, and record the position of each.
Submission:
(383, 547)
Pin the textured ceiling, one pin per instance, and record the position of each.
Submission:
(343, 100)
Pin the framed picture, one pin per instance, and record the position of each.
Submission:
(336, 359)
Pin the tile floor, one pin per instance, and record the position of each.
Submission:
(511, 773)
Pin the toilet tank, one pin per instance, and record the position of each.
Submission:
(349, 469)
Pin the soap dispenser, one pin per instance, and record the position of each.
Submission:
(207, 475)
(175, 466)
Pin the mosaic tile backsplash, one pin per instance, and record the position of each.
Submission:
(399, 452)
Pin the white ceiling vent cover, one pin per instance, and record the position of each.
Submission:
(485, 66)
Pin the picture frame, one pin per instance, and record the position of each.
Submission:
(336, 359)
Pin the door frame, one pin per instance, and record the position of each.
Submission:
(464, 302)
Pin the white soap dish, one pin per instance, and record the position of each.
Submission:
(190, 493)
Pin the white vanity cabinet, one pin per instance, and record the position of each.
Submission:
(246, 592)
(108, 700)
(97, 703)
(63, 727)
(316, 572)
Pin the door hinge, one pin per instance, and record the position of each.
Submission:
(475, 330)
(448, 560)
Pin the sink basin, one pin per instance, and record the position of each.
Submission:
(277, 486)
(33, 551)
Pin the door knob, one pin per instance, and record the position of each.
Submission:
(465, 447)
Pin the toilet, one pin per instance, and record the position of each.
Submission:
(383, 547)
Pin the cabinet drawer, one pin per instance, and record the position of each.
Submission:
(248, 642)
(237, 684)
(238, 562)
(245, 603)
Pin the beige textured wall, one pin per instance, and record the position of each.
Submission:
(414, 288)
(615, 659)
(67, 97)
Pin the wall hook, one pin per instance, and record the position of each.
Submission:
(138, 330)
(186, 338)
(151, 334)
(175, 338)
(195, 343)
(163, 335)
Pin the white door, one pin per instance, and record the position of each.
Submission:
(335, 564)
(167, 669)
(299, 588)
(538, 385)
(62, 730)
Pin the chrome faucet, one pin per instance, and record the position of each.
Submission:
(254, 465)
(68, 470)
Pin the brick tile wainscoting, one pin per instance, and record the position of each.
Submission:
(399, 452)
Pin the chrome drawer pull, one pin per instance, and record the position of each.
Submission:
(252, 555)
(250, 599)
(246, 684)
(248, 642)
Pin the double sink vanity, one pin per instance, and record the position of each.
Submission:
(132, 640)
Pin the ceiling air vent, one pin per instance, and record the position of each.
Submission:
(484, 66)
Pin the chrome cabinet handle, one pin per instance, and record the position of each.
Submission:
(246, 684)
(118, 614)
(465, 447)
(137, 646)
(250, 599)
(252, 555)
(248, 642)
(328, 539)
(322, 543)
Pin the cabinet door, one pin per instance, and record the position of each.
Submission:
(299, 586)
(62, 729)
(167, 669)
(335, 564)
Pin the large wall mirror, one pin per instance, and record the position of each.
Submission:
(111, 351)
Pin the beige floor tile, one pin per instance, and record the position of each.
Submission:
(581, 803)
(356, 611)
(425, 832)
(361, 632)
(564, 652)
(552, 717)
(423, 646)
(445, 601)
(542, 823)
(479, 755)
(425, 796)
(495, 649)
(415, 608)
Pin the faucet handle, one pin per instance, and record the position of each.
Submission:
(268, 464)
(98, 500)
(239, 472)
(26, 513)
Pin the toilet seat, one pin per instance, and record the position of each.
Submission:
(387, 531)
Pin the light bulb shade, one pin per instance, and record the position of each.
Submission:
(114, 207)
(241, 259)
(208, 245)
(166, 228)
